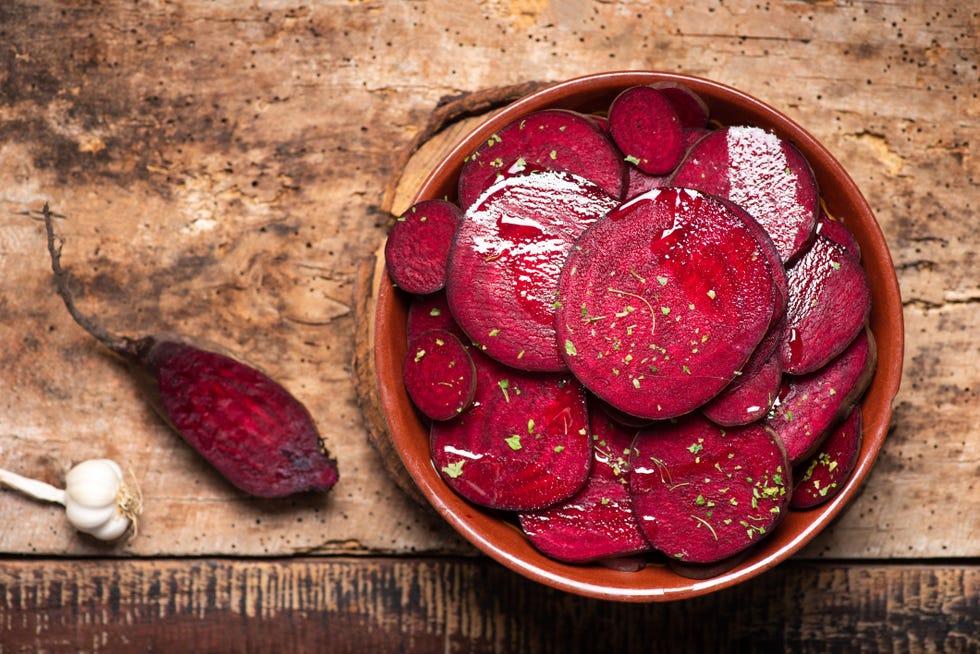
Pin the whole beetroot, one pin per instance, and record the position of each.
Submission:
(251, 429)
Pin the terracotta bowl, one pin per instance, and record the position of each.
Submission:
(499, 538)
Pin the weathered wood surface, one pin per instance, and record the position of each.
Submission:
(223, 170)
(342, 605)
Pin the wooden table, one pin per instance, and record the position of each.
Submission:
(228, 170)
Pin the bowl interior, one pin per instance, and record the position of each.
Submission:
(502, 540)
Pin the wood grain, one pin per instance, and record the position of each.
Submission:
(456, 605)
(224, 169)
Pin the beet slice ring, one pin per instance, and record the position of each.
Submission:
(439, 374)
(522, 445)
(703, 493)
(662, 302)
(506, 257)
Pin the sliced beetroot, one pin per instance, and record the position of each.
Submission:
(829, 303)
(522, 445)
(691, 109)
(645, 127)
(662, 302)
(823, 475)
(779, 277)
(762, 173)
(504, 266)
(418, 246)
(838, 233)
(551, 139)
(427, 312)
(703, 493)
(640, 182)
(597, 522)
(707, 570)
(692, 135)
(809, 406)
(439, 374)
(750, 396)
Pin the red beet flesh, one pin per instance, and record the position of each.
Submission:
(829, 303)
(750, 396)
(824, 474)
(418, 246)
(662, 302)
(522, 445)
(551, 139)
(763, 174)
(808, 406)
(645, 126)
(503, 269)
(439, 374)
(703, 493)
(691, 109)
(597, 523)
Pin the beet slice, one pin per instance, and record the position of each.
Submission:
(750, 396)
(779, 277)
(504, 266)
(707, 570)
(829, 303)
(550, 139)
(645, 127)
(439, 373)
(753, 392)
(838, 233)
(703, 493)
(640, 182)
(810, 405)
(691, 109)
(597, 523)
(823, 475)
(418, 246)
(662, 302)
(426, 312)
(762, 173)
(522, 445)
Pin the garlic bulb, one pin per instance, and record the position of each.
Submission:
(96, 499)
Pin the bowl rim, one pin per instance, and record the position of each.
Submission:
(486, 532)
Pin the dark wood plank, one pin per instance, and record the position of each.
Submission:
(468, 605)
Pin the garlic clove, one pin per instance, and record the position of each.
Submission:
(111, 529)
(84, 518)
(93, 483)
